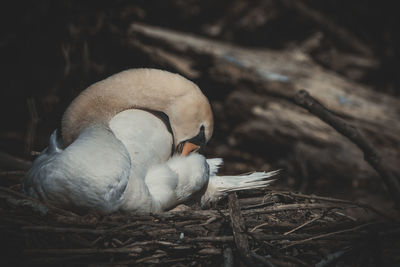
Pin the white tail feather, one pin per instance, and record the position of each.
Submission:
(214, 165)
(219, 186)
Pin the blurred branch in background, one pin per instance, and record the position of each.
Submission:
(251, 58)
(281, 74)
(10, 162)
(330, 26)
(304, 99)
(32, 125)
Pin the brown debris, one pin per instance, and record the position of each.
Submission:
(44, 234)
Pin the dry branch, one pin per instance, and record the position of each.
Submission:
(329, 199)
(304, 224)
(340, 32)
(14, 163)
(304, 99)
(191, 236)
(328, 235)
(238, 226)
(281, 75)
(32, 125)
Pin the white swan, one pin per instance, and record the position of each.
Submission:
(115, 150)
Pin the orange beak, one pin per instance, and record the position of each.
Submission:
(189, 148)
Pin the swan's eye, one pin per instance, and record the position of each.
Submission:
(193, 144)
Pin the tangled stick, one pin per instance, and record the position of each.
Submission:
(305, 100)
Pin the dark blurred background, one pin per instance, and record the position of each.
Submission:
(52, 50)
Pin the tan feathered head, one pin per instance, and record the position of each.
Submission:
(188, 110)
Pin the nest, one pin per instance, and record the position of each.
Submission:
(263, 228)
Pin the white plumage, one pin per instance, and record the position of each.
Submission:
(122, 160)
(219, 186)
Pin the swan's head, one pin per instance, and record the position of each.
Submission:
(188, 110)
(191, 122)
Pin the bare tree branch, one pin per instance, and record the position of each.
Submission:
(305, 100)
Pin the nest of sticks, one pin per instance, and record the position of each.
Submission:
(258, 228)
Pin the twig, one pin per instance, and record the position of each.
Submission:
(211, 220)
(258, 236)
(216, 239)
(152, 259)
(239, 229)
(239, 232)
(304, 99)
(12, 162)
(32, 125)
(228, 257)
(258, 226)
(332, 257)
(321, 19)
(251, 201)
(263, 260)
(210, 251)
(297, 262)
(64, 230)
(304, 224)
(265, 204)
(54, 261)
(328, 234)
(83, 251)
(336, 200)
(12, 173)
(153, 242)
(285, 262)
(238, 226)
(345, 215)
(288, 207)
(19, 199)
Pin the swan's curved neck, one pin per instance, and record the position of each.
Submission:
(148, 143)
(139, 88)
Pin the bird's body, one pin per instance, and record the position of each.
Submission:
(126, 166)
(122, 160)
